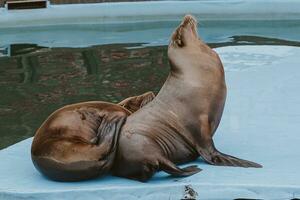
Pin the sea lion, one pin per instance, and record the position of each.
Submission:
(79, 141)
(177, 126)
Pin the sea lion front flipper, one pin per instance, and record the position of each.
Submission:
(109, 130)
(212, 156)
(169, 167)
(136, 102)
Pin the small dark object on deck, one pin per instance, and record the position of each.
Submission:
(26, 4)
(189, 193)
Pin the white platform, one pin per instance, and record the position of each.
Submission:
(260, 123)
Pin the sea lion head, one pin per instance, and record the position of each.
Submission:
(185, 34)
(186, 51)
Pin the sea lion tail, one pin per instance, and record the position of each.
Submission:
(169, 167)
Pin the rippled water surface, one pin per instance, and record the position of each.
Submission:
(45, 68)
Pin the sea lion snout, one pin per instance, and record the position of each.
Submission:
(186, 32)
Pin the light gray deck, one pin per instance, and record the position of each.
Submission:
(260, 123)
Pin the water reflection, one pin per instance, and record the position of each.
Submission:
(34, 80)
(35, 83)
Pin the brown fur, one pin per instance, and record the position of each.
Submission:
(178, 125)
(79, 141)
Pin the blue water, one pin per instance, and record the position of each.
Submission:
(150, 33)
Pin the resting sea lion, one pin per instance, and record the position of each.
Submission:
(79, 141)
(177, 126)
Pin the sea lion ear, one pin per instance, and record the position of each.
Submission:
(108, 133)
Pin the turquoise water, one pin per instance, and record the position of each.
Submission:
(44, 68)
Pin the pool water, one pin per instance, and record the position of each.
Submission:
(45, 68)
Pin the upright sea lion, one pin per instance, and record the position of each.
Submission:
(177, 126)
(79, 141)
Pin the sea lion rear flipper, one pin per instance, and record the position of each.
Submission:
(212, 156)
(136, 102)
(169, 167)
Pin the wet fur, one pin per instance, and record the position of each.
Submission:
(79, 141)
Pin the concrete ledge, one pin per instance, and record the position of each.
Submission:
(152, 11)
(89, 1)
